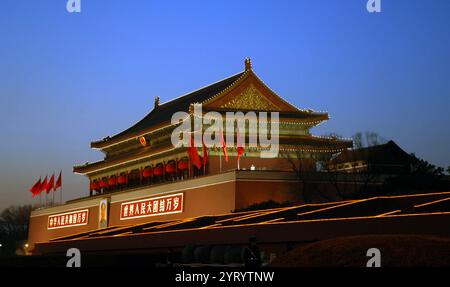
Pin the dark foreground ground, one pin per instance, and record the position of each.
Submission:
(396, 251)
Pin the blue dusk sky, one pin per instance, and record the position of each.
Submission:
(67, 79)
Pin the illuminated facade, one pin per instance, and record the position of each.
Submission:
(144, 178)
(144, 155)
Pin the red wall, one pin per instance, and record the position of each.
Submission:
(203, 199)
(38, 231)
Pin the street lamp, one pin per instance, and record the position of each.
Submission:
(25, 248)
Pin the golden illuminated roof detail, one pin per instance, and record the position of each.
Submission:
(250, 99)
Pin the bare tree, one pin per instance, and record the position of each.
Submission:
(14, 226)
(368, 139)
(298, 166)
(334, 177)
(305, 173)
(373, 139)
(364, 177)
(333, 174)
(357, 140)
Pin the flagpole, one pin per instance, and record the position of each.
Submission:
(204, 165)
(40, 192)
(60, 192)
(204, 155)
(189, 171)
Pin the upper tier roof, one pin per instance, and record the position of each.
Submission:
(163, 113)
(388, 153)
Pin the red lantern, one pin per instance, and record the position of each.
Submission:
(112, 181)
(94, 185)
(183, 165)
(122, 179)
(158, 171)
(103, 184)
(147, 172)
(170, 168)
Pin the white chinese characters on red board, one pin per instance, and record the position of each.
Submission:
(168, 204)
(68, 219)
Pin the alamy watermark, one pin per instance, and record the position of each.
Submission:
(375, 257)
(373, 6)
(263, 131)
(73, 6)
(74, 256)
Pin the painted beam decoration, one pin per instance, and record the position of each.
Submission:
(153, 206)
(68, 219)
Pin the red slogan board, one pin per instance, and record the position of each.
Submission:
(153, 206)
(68, 219)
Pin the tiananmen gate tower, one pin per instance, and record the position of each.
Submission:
(146, 183)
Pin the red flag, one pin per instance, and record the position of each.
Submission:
(44, 184)
(205, 152)
(240, 148)
(50, 183)
(36, 188)
(193, 154)
(58, 183)
(224, 145)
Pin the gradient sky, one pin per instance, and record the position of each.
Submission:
(67, 79)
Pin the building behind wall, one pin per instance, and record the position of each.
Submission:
(386, 158)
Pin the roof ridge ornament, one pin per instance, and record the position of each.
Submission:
(248, 64)
(156, 103)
